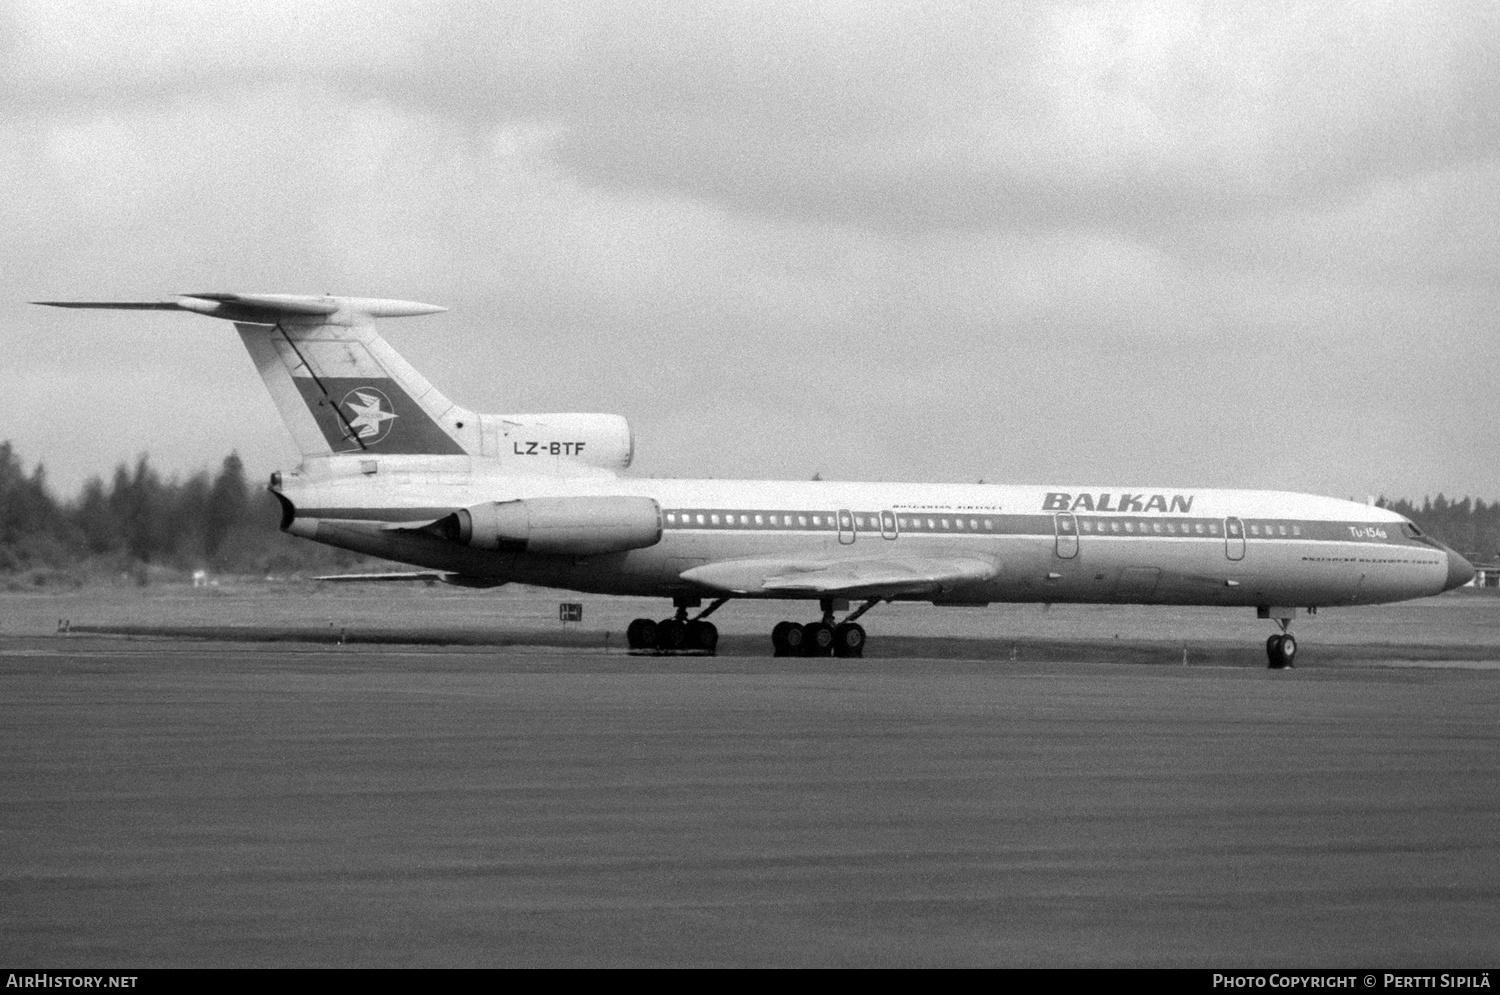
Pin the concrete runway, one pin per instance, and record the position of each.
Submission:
(204, 804)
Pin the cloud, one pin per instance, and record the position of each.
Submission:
(904, 117)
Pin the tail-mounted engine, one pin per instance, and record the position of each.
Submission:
(567, 526)
(544, 443)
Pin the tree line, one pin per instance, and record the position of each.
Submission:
(141, 525)
(1469, 526)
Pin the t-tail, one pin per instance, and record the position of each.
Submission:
(343, 391)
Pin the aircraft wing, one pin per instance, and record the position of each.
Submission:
(869, 577)
(457, 580)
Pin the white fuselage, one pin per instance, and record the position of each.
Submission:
(1047, 543)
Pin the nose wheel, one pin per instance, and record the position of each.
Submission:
(1281, 651)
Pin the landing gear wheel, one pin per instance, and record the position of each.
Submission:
(702, 636)
(795, 638)
(849, 640)
(817, 639)
(641, 635)
(1281, 652)
(780, 644)
(671, 634)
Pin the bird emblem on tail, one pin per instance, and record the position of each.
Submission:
(370, 414)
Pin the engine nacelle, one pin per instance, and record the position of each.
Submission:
(535, 443)
(563, 526)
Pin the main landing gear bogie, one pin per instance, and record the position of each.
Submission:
(695, 636)
(673, 635)
(678, 634)
(822, 638)
(847, 639)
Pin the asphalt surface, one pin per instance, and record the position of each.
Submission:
(171, 803)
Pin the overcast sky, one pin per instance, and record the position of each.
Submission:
(1243, 245)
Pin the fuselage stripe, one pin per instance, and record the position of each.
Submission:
(1083, 527)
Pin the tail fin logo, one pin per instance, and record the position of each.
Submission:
(370, 415)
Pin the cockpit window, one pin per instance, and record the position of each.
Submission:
(1412, 532)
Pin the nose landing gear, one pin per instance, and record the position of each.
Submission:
(1281, 649)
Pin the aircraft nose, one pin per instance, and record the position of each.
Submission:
(1460, 571)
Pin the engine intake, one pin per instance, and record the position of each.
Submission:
(570, 526)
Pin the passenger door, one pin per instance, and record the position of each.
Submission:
(1066, 528)
(847, 534)
(1234, 538)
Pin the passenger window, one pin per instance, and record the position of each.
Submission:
(700, 520)
(1156, 527)
(1213, 529)
(1114, 526)
(1296, 530)
(760, 520)
(802, 520)
(945, 524)
(1129, 526)
(671, 517)
(989, 525)
(1255, 530)
(1200, 528)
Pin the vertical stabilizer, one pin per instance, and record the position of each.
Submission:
(343, 389)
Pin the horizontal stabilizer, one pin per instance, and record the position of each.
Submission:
(267, 309)
(884, 576)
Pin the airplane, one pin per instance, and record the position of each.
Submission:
(392, 468)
